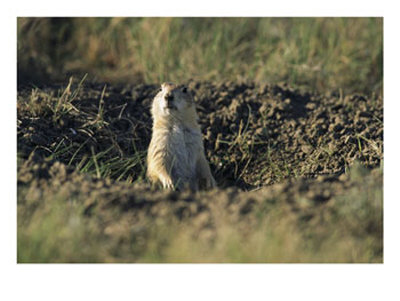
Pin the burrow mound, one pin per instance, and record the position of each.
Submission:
(253, 134)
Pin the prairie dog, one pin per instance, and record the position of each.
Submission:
(176, 156)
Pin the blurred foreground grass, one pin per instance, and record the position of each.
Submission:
(58, 225)
(317, 53)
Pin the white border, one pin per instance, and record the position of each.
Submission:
(283, 8)
(197, 282)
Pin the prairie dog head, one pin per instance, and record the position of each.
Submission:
(173, 101)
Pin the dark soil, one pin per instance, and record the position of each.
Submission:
(254, 135)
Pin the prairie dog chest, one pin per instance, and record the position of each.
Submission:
(186, 144)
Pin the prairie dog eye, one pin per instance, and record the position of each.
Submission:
(184, 90)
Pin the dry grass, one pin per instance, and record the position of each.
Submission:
(317, 53)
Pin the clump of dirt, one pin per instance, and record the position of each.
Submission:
(254, 134)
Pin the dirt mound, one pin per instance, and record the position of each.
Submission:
(254, 135)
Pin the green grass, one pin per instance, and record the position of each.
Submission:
(317, 53)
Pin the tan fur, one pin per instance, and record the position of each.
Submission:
(176, 156)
